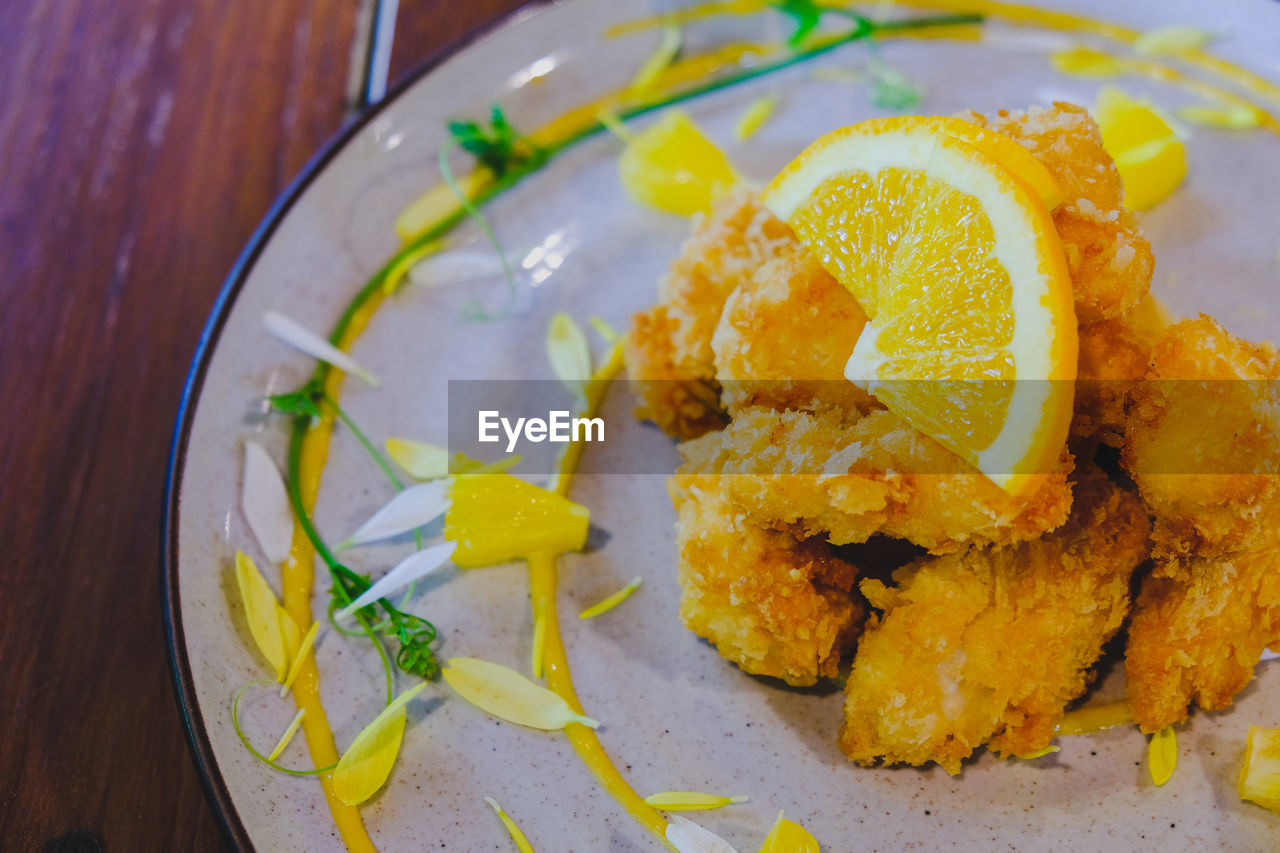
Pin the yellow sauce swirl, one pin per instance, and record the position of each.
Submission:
(299, 579)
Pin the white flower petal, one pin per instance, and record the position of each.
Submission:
(266, 503)
(1268, 654)
(301, 338)
(417, 565)
(568, 352)
(419, 460)
(687, 837)
(456, 267)
(408, 510)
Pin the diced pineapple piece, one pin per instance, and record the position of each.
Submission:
(495, 517)
(672, 166)
(1260, 776)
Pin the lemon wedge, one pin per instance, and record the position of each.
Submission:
(672, 166)
(956, 261)
(1149, 155)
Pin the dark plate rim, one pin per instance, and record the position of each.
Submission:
(215, 787)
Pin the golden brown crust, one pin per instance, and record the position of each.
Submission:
(784, 337)
(1114, 355)
(1212, 602)
(771, 604)
(989, 645)
(1198, 631)
(852, 477)
(1189, 444)
(1109, 257)
(668, 351)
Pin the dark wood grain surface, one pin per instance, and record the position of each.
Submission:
(141, 142)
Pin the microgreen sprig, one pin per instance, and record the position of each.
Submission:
(808, 14)
(414, 634)
(500, 148)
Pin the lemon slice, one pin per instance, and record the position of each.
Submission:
(1149, 155)
(955, 259)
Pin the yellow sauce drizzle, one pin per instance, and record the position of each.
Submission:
(1092, 719)
(1018, 14)
(299, 575)
(542, 584)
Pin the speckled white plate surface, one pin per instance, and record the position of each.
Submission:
(675, 715)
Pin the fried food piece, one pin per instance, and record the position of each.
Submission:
(848, 477)
(1114, 354)
(989, 645)
(668, 351)
(784, 337)
(1198, 630)
(1109, 258)
(1206, 454)
(768, 602)
(1206, 458)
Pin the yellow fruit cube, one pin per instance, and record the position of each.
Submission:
(1260, 776)
(674, 167)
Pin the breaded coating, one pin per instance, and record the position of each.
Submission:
(826, 473)
(1198, 630)
(768, 602)
(784, 337)
(1114, 355)
(668, 351)
(990, 645)
(1212, 602)
(1206, 454)
(1109, 258)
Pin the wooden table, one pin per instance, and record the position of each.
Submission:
(141, 141)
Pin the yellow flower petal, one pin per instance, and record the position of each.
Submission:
(1039, 753)
(1171, 41)
(1222, 116)
(303, 649)
(687, 801)
(658, 61)
(507, 694)
(522, 843)
(287, 736)
(1162, 755)
(367, 763)
(1260, 775)
(1086, 62)
(754, 117)
(419, 460)
(262, 611)
(789, 837)
(568, 352)
(612, 601)
(496, 517)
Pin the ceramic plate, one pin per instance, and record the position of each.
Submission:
(675, 715)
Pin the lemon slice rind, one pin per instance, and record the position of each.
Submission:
(1025, 243)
